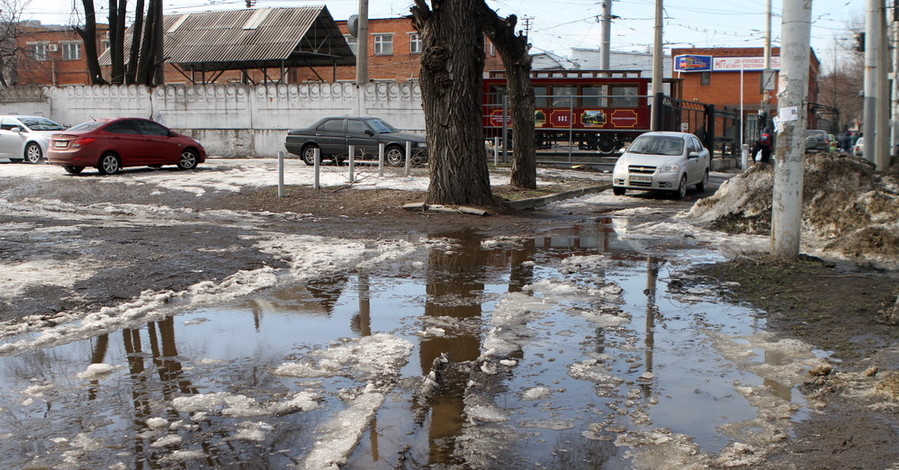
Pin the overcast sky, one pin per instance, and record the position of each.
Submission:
(559, 25)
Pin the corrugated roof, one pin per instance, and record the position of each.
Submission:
(255, 38)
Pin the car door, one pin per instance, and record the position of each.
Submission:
(695, 165)
(361, 136)
(125, 139)
(159, 148)
(331, 136)
(10, 140)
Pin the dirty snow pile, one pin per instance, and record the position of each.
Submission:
(848, 207)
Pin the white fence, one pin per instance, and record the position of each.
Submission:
(229, 120)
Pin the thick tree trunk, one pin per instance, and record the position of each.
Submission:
(452, 66)
(513, 49)
(137, 32)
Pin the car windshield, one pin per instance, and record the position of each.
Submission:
(657, 145)
(41, 124)
(380, 126)
(87, 126)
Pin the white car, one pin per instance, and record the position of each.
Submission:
(859, 148)
(26, 137)
(662, 161)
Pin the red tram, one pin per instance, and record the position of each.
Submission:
(592, 109)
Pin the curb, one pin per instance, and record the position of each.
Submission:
(535, 202)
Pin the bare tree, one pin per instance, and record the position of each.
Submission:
(452, 66)
(514, 50)
(10, 15)
(117, 14)
(88, 34)
(136, 31)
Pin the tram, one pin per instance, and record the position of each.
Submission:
(592, 109)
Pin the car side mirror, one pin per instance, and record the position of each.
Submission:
(369, 133)
(16, 129)
(693, 155)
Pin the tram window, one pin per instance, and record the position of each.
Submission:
(593, 97)
(624, 96)
(540, 94)
(496, 94)
(563, 96)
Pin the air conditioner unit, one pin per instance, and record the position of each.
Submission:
(52, 47)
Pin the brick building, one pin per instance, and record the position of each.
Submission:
(730, 71)
(52, 55)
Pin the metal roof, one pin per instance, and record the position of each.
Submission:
(254, 38)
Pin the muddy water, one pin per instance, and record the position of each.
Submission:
(577, 390)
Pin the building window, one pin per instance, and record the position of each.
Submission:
(415, 44)
(488, 48)
(105, 45)
(39, 51)
(706, 78)
(71, 50)
(383, 44)
(352, 42)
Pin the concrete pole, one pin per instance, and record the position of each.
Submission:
(872, 40)
(605, 33)
(766, 74)
(658, 56)
(894, 113)
(786, 207)
(882, 153)
(362, 45)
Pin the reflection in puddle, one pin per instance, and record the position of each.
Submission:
(552, 352)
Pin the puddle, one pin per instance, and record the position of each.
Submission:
(572, 350)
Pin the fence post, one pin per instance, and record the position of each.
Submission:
(495, 151)
(352, 162)
(381, 159)
(408, 157)
(317, 155)
(744, 157)
(280, 174)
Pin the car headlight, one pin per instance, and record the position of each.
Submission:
(670, 169)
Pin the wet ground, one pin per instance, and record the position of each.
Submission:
(582, 346)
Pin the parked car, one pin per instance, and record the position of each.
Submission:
(26, 137)
(112, 144)
(662, 161)
(816, 140)
(859, 148)
(333, 136)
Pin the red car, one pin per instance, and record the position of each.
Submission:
(112, 144)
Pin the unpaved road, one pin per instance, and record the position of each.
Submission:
(73, 245)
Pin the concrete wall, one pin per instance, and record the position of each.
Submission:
(229, 120)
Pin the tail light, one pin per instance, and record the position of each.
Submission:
(82, 142)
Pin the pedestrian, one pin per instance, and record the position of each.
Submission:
(761, 151)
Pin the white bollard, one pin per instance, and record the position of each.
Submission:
(408, 157)
(352, 162)
(317, 168)
(744, 157)
(281, 174)
(496, 151)
(381, 159)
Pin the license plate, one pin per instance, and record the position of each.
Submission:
(60, 144)
(641, 179)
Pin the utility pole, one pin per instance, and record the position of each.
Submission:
(882, 151)
(786, 206)
(362, 45)
(872, 40)
(658, 56)
(767, 74)
(605, 33)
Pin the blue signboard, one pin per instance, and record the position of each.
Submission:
(693, 63)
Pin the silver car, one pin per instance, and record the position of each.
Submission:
(26, 137)
(662, 161)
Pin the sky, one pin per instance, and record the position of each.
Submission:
(557, 26)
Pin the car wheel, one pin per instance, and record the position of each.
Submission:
(395, 156)
(681, 188)
(33, 153)
(702, 185)
(109, 164)
(309, 154)
(188, 160)
(618, 191)
(73, 170)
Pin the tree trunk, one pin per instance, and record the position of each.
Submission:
(88, 35)
(452, 65)
(136, 34)
(117, 13)
(513, 49)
